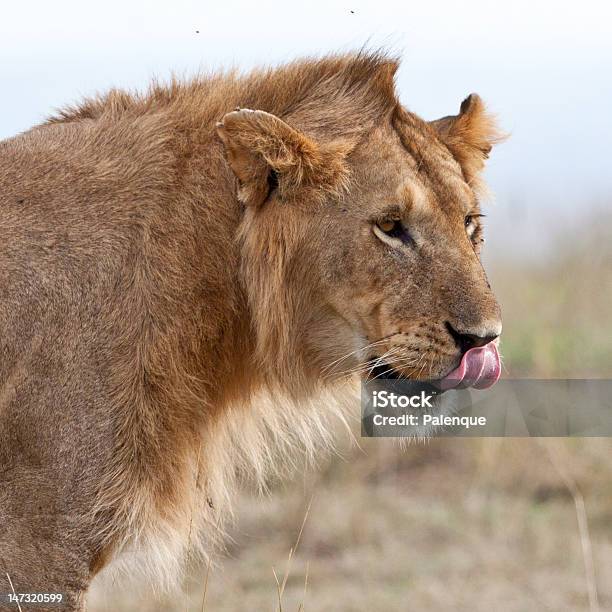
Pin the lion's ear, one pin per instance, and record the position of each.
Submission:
(470, 135)
(265, 153)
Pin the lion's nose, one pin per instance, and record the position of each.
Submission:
(467, 339)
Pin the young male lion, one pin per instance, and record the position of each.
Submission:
(168, 259)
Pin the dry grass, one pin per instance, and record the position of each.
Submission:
(460, 524)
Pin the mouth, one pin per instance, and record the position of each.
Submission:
(384, 371)
(480, 368)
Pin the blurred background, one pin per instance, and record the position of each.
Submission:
(459, 524)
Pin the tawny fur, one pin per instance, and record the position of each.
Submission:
(192, 272)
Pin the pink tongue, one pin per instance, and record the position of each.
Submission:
(479, 368)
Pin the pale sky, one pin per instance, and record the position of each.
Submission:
(545, 68)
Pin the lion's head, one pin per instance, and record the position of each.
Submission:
(362, 235)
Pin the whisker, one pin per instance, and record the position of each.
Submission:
(364, 348)
(370, 364)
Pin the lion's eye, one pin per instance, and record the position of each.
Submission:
(392, 229)
(474, 230)
(388, 226)
(470, 223)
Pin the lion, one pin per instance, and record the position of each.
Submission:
(185, 275)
